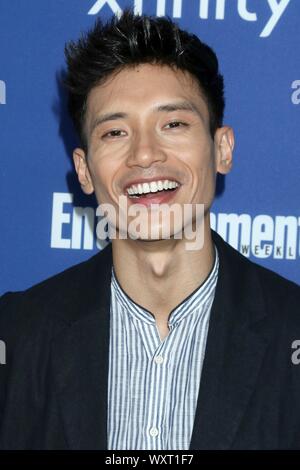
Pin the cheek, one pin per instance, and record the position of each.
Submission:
(201, 161)
(200, 166)
(207, 173)
(102, 172)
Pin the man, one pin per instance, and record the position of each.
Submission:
(150, 344)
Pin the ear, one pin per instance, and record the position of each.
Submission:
(82, 171)
(224, 144)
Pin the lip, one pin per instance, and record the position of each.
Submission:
(161, 197)
(147, 180)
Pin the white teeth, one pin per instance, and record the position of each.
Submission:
(146, 188)
(153, 187)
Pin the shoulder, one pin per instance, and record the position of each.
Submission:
(275, 287)
(281, 297)
(46, 306)
(241, 267)
(282, 300)
(257, 287)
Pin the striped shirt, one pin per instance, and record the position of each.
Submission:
(153, 385)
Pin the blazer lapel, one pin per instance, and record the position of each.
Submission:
(234, 352)
(81, 357)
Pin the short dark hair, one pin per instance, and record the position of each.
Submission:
(136, 39)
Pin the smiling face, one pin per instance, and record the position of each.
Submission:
(150, 123)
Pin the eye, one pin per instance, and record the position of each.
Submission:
(113, 133)
(175, 124)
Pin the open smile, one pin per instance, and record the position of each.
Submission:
(152, 192)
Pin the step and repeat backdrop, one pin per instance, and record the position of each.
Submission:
(47, 224)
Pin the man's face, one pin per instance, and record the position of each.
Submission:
(150, 123)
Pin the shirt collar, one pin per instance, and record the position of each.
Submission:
(199, 297)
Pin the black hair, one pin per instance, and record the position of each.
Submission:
(129, 40)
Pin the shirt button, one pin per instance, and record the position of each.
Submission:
(159, 359)
(153, 432)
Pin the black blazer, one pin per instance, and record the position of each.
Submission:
(53, 387)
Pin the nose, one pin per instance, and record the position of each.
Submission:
(145, 150)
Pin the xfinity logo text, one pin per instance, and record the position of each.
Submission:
(2, 92)
(206, 9)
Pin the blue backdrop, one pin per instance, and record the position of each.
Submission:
(47, 224)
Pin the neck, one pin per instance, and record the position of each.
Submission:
(159, 275)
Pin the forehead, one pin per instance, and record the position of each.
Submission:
(144, 85)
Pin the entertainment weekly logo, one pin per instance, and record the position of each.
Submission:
(208, 9)
(260, 236)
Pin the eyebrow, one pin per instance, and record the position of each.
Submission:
(168, 107)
